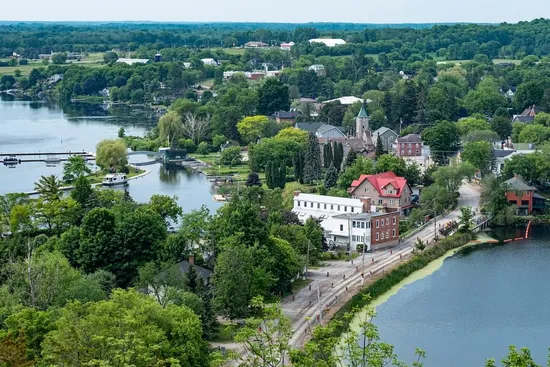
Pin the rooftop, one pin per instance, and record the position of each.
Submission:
(346, 100)
(133, 61)
(411, 138)
(501, 153)
(360, 216)
(516, 183)
(382, 131)
(328, 199)
(380, 181)
(330, 42)
(308, 126)
(287, 114)
(363, 111)
(184, 267)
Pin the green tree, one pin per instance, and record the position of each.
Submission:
(361, 166)
(203, 148)
(350, 158)
(273, 96)
(479, 154)
(528, 94)
(534, 134)
(472, 124)
(502, 125)
(121, 132)
(312, 170)
(485, 99)
(111, 154)
(232, 281)
(515, 358)
(109, 57)
(298, 163)
(328, 155)
(443, 139)
(391, 163)
(231, 156)
(75, 167)
(49, 188)
(493, 200)
(253, 180)
(82, 192)
(379, 147)
(139, 330)
(170, 127)
(465, 220)
(167, 207)
(451, 177)
(253, 127)
(59, 58)
(331, 178)
(98, 240)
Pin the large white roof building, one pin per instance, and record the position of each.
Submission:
(329, 42)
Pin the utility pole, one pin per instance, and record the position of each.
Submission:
(435, 216)
(319, 304)
(307, 259)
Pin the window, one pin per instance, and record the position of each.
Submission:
(341, 228)
(392, 201)
(514, 202)
(410, 145)
(353, 238)
(377, 236)
(354, 223)
(362, 225)
(382, 224)
(311, 205)
(379, 201)
(318, 205)
(377, 223)
(387, 235)
(345, 208)
(352, 209)
(298, 203)
(387, 221)
(363, 239)
(394, 220)
(331, 207)
(338, 207)
(393, 232)
(325, 206)
(368, 225)
(528, 193)
(525, 203)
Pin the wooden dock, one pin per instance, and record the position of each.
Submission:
(20, 154)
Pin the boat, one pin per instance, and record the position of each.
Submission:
(115, 179)
(52, 160)
(11, 161)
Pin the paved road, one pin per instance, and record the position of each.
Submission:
(343, 276)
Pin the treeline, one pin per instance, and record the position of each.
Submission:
(460, 41)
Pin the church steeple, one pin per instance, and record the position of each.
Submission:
(362, 121)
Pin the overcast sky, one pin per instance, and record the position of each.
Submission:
(357, 11)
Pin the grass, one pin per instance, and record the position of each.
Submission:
(495, 61)
(93, 60)
(98, 177)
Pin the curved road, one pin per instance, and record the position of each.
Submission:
(344, 278)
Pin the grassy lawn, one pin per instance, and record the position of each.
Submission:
(94, 60)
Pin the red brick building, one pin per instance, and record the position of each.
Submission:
(524, 197)
(384, 230)
(409, 146)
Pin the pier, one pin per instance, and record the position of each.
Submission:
(21, 154)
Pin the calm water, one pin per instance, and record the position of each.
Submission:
(27, 126)
(475, 306)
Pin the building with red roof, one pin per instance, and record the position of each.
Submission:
(387, 191)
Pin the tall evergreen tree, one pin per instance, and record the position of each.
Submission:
(281, 178)
(331, 178)
(340, 155)
(299, 167)
(268, 175)
(379, 147)
(409, 102)
(421, 112)
(350, 158)
(328, 155)
(312, 159)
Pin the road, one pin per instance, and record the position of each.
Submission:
(338, 281)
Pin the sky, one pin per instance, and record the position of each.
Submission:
(294, 11)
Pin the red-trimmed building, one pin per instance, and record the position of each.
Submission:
(387, 191)
(409, 146)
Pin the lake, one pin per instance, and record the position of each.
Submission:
(38, 126)
(474, 306)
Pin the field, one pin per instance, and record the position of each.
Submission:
(92, 60)
(495, 61)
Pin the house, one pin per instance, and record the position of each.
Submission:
(322, 131)
(318, 69)
(209, 61)
(524, 197)
(329, 42)
(286, 116)
(349, 222)
(387, 136)
(528, 115)
(387, 191)
(409, 146)
(510, 93)
(202, 273)
(254, 44)
(286, 46)
(133, 61)
(501, 156)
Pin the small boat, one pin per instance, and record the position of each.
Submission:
(11, 161)
(52, 160)
(115, 179)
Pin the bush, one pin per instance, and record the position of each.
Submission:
(187, 144)
(231, 156)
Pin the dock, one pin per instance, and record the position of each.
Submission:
(22, 154)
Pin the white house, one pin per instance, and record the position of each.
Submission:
(329, 42)
(133, 61)
(348, 222)
(319, 69)
(347, 100)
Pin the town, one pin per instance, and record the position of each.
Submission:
(246, 194)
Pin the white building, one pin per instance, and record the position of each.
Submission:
(347, 100)
(348, 222)
(209, 61)
(286, 46)
(133, 61)
(329, 42)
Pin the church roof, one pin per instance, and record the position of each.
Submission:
(363, 111)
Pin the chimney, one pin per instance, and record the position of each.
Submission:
(366, 204)
(192, 259)
(297, 192)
